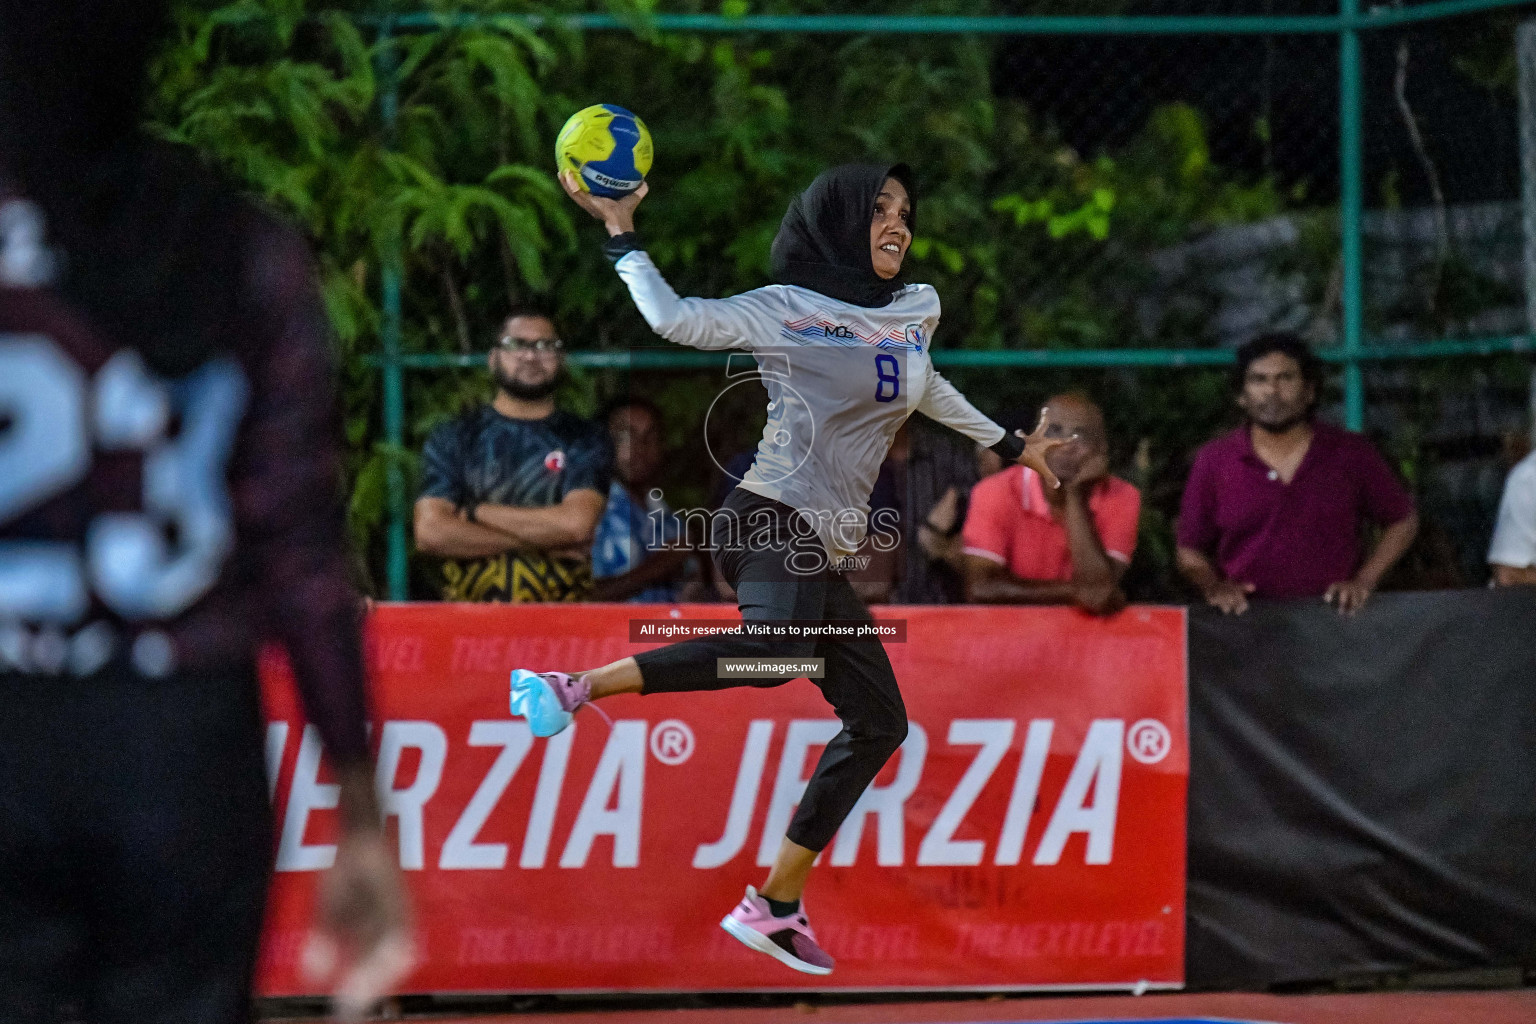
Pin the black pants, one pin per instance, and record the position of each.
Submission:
(858, 681)
(135, 848)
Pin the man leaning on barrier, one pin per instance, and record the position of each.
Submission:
(1512, 554)
(1275, 508)
(1029, 544)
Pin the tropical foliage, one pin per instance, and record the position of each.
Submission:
(435, 143)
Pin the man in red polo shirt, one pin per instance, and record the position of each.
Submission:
(1275, 508)
(1029, 544)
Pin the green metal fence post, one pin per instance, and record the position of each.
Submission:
(1351, 203)
(1351, 353)
(939, 24)
(393, 372)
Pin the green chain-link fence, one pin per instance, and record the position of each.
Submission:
(1112, 197)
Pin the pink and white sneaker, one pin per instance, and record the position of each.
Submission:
(788, 939)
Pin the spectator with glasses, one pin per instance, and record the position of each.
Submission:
(512, 491)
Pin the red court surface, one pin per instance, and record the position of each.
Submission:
(1509, 1007)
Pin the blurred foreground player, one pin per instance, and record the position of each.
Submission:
(168, 497)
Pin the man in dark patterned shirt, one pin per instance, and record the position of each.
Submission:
(512, 491)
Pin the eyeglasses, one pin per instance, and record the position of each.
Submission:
(511, 344)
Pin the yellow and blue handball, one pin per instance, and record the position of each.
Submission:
(609, 149)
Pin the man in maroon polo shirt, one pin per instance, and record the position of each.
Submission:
(1275, 508)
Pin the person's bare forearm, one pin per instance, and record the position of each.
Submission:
(1197, 569)
(1231, 596)
(876, 582)
(542, 529)
(447, 535)
(953, 555)
(363, 946)
(1395, 542)
(659, 567)
(936, 547)
(1514, 576)
(1011, 590)
(1091, 564)
(358, 803)
(872, 591)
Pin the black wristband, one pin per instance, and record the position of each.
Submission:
(621, 245)
(469, 511)
(1009, 448)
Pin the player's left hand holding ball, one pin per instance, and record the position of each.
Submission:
(617, 215)
(603, 154)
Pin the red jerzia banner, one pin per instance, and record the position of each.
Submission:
(1030, 832)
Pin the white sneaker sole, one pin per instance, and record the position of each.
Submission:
(763, 944)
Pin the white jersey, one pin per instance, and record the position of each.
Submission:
(841, 380)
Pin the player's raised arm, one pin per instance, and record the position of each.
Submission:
(943, 403)
(697, 323)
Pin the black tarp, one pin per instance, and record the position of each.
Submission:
(1362, 791)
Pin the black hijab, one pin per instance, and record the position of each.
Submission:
(149, 241)
(823, 241)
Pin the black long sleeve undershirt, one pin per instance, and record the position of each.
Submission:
(1009, 448)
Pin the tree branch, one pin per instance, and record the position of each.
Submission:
(1416, 137)
(456, 304)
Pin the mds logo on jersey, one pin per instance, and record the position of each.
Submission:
(819, 327)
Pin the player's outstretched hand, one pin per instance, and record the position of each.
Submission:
(1037, 446)
(363, 946)
(617, 215)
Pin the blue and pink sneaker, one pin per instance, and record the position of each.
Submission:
(549, 699)
(787, 939)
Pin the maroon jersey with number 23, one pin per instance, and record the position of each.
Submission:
(172, 525)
